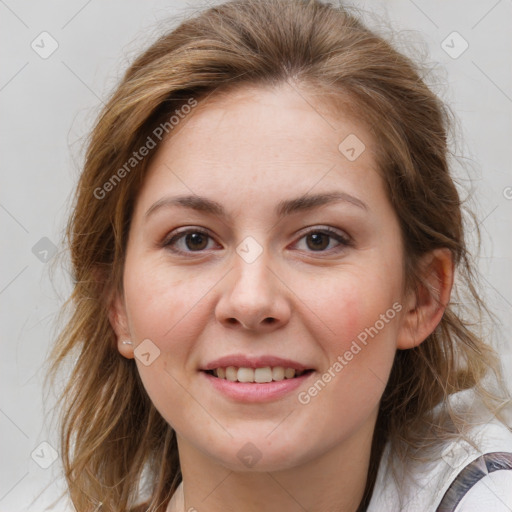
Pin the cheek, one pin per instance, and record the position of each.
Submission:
(163, 307)
(161, 300)
(349, 305)
(359, 316)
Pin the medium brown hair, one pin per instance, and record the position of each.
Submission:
(116, 448)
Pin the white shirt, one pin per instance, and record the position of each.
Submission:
(482, 487)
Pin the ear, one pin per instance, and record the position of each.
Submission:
(119, 322)
(424, 309)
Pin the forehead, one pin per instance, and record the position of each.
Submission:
(276, 139)
(258, 119)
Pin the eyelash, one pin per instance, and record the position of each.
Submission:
(344, 241)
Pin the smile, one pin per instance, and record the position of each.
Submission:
(256, 375)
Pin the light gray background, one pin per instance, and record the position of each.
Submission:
(48, 106)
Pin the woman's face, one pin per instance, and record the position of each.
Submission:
(293, 252)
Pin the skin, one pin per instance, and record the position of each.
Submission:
(249, 150)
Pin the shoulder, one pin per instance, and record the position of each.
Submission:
(484, 484)
(459, 478)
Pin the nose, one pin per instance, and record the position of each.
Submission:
(253, 298)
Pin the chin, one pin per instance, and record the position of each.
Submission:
(258, 453)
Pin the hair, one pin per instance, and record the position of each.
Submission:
(116, 448)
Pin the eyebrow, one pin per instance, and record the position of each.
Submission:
(283, 208)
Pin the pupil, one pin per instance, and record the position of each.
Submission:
(318, 240)
(195, 238)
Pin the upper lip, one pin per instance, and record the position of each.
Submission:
(241, 360)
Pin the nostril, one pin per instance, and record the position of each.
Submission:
(234, 321)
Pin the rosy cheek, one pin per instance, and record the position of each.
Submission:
(349, 312)
(153, 297)
(347, 320)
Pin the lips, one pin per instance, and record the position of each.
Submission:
(244, 361)
(255, 392)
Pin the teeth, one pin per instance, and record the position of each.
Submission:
(289, 373)
(259, 375)
(231, 373)
(263, 374)
(245, 375)
(278, 373)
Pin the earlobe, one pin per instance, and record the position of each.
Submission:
(119, 322)
(425, 307)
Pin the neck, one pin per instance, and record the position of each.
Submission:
(333, 481)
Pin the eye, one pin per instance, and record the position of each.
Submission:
(318, 240)
(192, 240)
(196, 240)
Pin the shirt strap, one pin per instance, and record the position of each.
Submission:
(470, 475)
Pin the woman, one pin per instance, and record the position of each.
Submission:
(264, 242)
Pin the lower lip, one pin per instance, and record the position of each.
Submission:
(255, 391)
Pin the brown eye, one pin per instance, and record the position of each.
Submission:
(191, 240)
(196, 241)
(320, 240)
